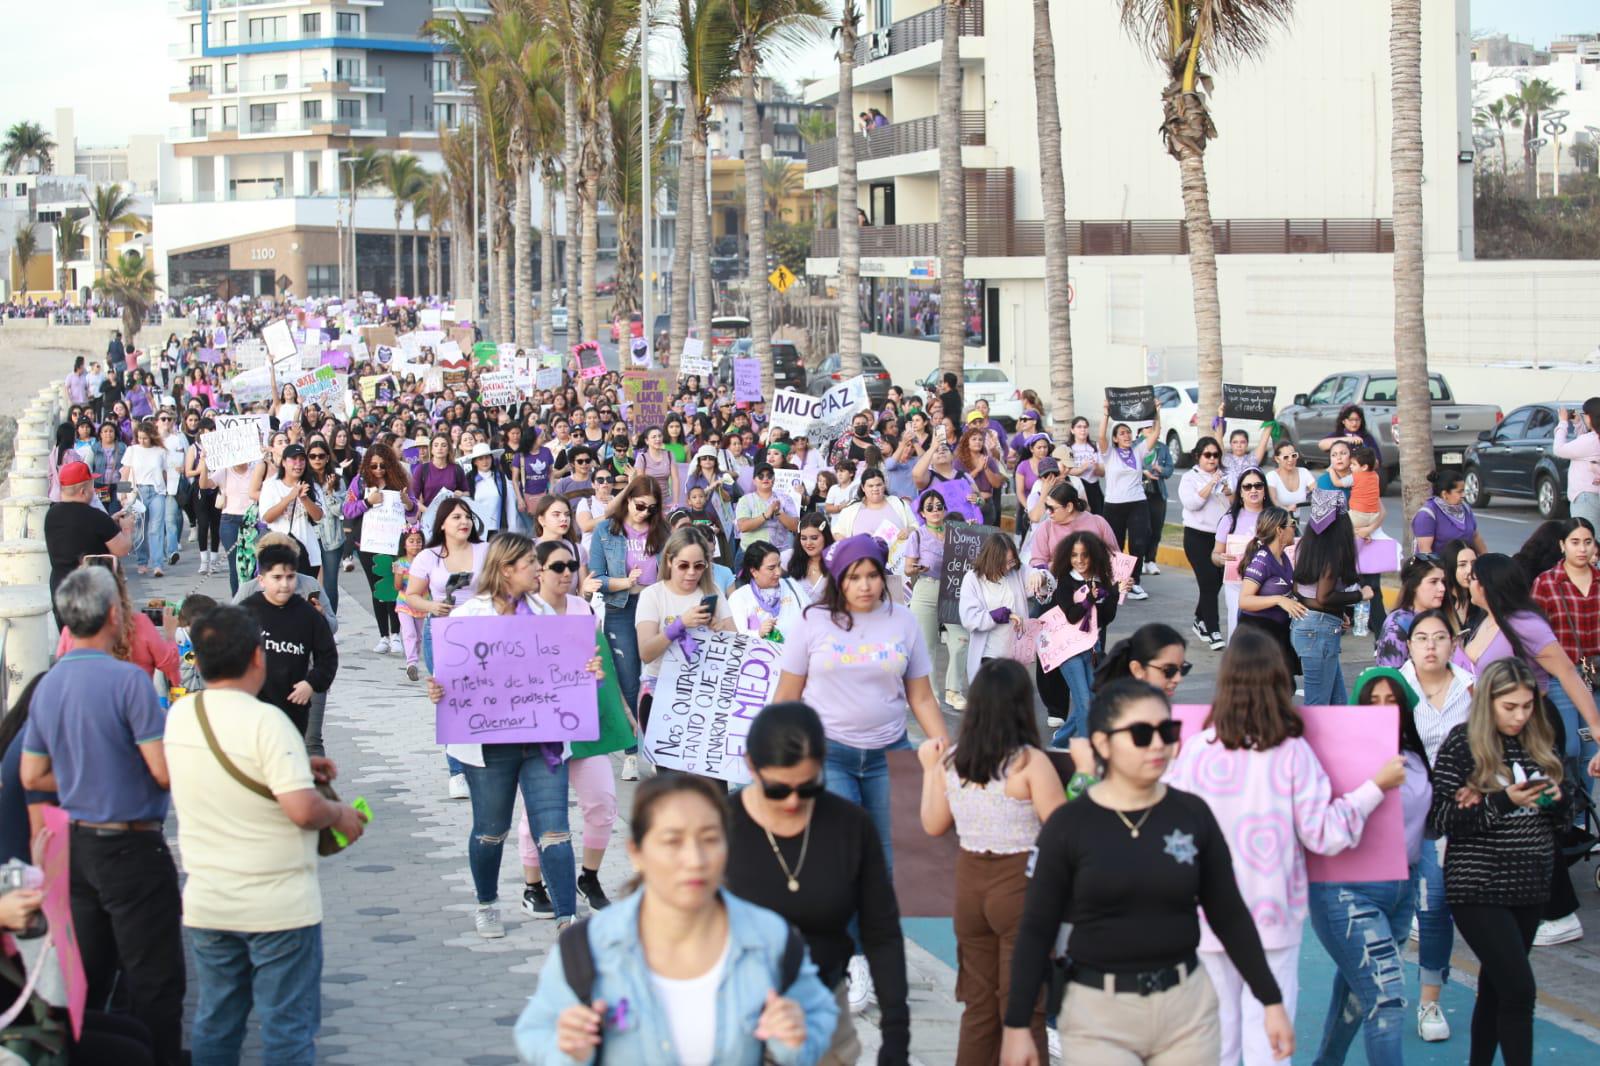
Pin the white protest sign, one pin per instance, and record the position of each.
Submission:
(249, 353)
(793, 412)
(430, 317)
(316, 386)
(789, 487)
(499, 388)
(702, 708)
(279, 341)
(261, 425)
(411, 346)
(433, 381)
(835, 409)
(235, 445)
(694, 360)
(383, 524)
(547, 377)
(431, 338)
(449, 352)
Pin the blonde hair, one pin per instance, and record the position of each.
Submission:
(1489, 772)
(688, 537)
(505, 550)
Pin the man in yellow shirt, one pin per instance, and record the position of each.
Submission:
(252, 903)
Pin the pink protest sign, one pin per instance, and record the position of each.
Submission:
(1377, 556)
(51, 853)
(337, 358)
(1059, 640)
(1025, 645)
(1121, 570)
(1352, 744)
(590, 363)
(515, 679)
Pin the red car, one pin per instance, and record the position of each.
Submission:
(635, 326)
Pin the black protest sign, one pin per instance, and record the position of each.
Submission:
(1137, 404)
(1249, 402)
(961, 544)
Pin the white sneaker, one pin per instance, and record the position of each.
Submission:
(860, 983)
(1138, 593)
(1217, 642)
(1151, 570)
(630, 768)
(382, 647)
(1416, 923)
(1053, 722)
(487, 921)
(1199, 630)
(956, 700)
(1558, 931)
(1431, 1024)
(1053, 1039)
(458, 787)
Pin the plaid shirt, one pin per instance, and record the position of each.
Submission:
(1574, 617)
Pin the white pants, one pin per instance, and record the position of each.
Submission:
(1240, 1013)
(1230, 595)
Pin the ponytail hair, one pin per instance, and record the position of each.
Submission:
(1269, 524)
(1143, 646)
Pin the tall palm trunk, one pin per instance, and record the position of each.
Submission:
(848, 197)
(589, 227)
(416, 265)
(952, 197)
(1414, 404)
(1053, 187)
(397, 278)
(547, 258)
(522, 240)
(755, 225)
(1203, 275)
(682, 244)
(507, 270)
(492, 288)
(700, 239)
(569, 173)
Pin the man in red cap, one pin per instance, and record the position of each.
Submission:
(74, 528)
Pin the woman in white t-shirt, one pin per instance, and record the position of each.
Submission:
(1289, 485)
(290, 503)
(286, 408)
(674, 611)
(767, 601)
(1123, 490)
(588, 511)
(144, 465)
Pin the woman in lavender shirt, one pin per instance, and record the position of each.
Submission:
(1446, 517)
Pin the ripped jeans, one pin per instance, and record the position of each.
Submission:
(494, 787)
(1363, 925)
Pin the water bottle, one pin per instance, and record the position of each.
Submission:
(1362, 612)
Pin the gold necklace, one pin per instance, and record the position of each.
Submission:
(805, 841)
(1134, 827)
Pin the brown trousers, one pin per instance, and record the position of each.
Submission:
(989, 897)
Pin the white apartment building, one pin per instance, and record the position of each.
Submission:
(1300, 192)
(1572, 66)
(267, 97)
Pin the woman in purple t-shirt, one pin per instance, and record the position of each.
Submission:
(1446, 516)
(859, 660)
(1266, 589)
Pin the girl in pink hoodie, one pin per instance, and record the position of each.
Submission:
(1273, 800)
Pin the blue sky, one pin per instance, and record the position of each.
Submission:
(108, 58)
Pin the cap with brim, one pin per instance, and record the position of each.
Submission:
(843, 554)
(74, 474)
(1048, 465)
(704, 451)
(975, 416)
(1032, 415)
(294, 451)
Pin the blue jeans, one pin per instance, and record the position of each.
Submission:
(1078, 673)
(1363, 925)
(861, 775)
(624, 638)
(1587, 505)
(544, 795)
(174, 524)
(154, 548)
(229, 530)
(278, 974)
(1315, 638)
(331, 557)
(1436, 934)
(1575, 757)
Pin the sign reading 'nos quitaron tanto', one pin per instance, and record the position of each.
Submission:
(515, 679)
(703, 704)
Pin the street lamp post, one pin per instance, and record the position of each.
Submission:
(355, 270)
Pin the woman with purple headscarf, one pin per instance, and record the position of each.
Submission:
(1325, 582)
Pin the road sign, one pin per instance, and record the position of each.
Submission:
(781, 278)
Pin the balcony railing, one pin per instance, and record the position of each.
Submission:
(999, 237)
(899, 138)
(916, 31)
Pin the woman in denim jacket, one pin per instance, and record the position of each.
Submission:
(673, 948)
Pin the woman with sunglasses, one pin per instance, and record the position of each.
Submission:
(1205, 494)
(1287, 483)
(1132, 864)
(588, 510)
(330, 530)
(1266, 589)
(1422, 588)
(1154, 654)
(924, 569)
(625, 557)
(814, 858)
(1234, 531)
(685, 602)
(380, 471)
(1273, 801)
(996, 788)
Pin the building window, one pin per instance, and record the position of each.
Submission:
(230, 30)
(905, 307)
(230, 117)
(322, 280)
(311, 109)
(310, 24)
(441, 76)
(349, 110)
(200, 77)
(347, 69)
(263, 118)
(199, 121)
(348, 21)
(230, 77)
(273, 28)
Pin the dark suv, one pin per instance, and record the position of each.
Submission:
(1517, 459)
(788, 372)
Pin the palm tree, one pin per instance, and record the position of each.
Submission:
(69, 241)
(362, 172)
(1187, 38)
(26, 244)
(1053, 189)
(131, 283)
(763, 29)
(25, 141)
(1535, 97)
(779, 181)
(455, 146)
(1500, 114)
(1413, 403)
(707, 31)
(419, 202)
(401, 175)
(848, 202)
(109, 206)
(624, 184)
(952, 199)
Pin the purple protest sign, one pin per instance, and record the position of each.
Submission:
(515, 679)
(747, 381)
(210, 355)
(337, 358)
(955, 493)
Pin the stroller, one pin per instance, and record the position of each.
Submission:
(1579, 840)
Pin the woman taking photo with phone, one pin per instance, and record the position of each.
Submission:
(814, 858)
(1498, 794)
(683, 605)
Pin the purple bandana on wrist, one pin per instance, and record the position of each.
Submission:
(678, 633)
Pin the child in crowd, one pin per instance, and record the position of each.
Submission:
(1366, 499)
(194, 605)
(411, 544)
(843, 493)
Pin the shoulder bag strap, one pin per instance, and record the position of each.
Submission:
(227, 764)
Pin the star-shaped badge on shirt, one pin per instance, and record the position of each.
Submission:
(1180, 846)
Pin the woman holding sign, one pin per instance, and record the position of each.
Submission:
(380, 470)
(1086, 594)
(670, 611)
(624, 555)
(1123, 491)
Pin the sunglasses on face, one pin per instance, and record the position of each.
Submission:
(583, 460)
(688, 568)
(648, 508)
(319, 455)
(1254, 486)
(933, 505)
(1211, 455)
(810, 790)
(562, 566)
(1169, 671)
(1143, 733)
(602, 481)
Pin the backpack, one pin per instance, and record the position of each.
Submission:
(577, 962)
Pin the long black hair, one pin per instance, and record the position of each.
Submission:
(754, 556)
(1145, 644)
(16, 718)
(1238, 497)
(1542, 549)
(1456, 595)
(997, 723)
(798, 559)
(1099, 557)
(1412, 574)
(1331, 553)
(786, 734)
(1506, 592)
(833, 600)
(448, 507)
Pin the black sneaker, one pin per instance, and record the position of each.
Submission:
(589, 888)
(1200, 630)
(536, 901)
(173, 560)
